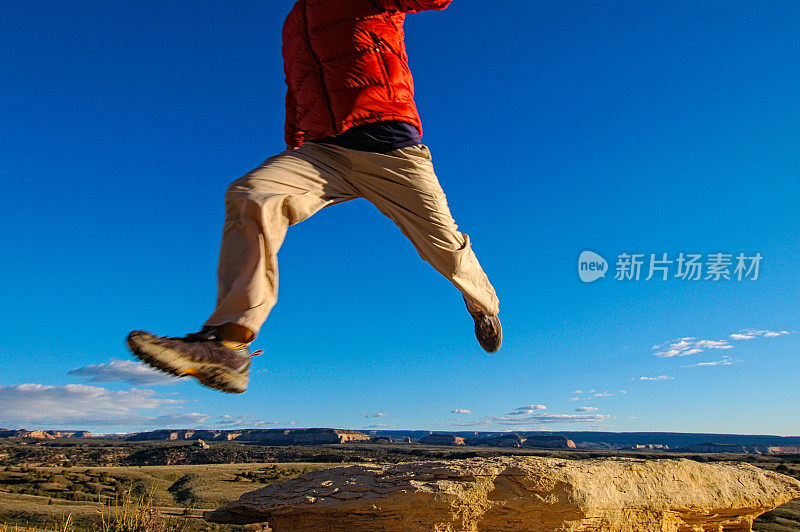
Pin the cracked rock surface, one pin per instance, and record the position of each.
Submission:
(519, 493)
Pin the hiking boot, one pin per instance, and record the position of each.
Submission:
(488, 330)
(201, 355)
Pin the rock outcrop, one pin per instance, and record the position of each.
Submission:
(442, 439)
(513, 439)
(37, 435)
(519, 493)
(44, 434)
(314, 436)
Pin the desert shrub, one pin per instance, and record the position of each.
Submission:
(183, 490)
(63, 524)
(131, 513)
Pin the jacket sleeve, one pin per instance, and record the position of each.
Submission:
(412, 6)
(293, 136)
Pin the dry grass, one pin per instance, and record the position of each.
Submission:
(130, 499)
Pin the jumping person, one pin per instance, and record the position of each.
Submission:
(352, 131)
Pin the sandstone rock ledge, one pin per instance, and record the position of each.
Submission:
(519, 493)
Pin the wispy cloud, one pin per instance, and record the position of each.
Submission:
(602, 394)
(474, 423)
(374, 414)
(724, 361)
(749, 334)
(461, 411)
(547, 418)
(689, 345)
(659, 378)
(86, 406)
(574, 399)
(243, 421)
(587, 409)
(532, 415)
(116, 370)
(179, 420)
(380, 426)
(526, 410)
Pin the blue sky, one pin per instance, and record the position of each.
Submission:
(557, 127)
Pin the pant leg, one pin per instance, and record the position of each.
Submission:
(259, 207)
(403, 186)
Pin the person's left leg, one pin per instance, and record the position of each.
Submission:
(403, 186)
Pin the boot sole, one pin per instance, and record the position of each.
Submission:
(216, 376)
(494, 346)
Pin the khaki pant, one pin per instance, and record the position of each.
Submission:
(293, 185)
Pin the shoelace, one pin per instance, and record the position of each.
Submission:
(486, 326)
(208, 334)
(203, 335)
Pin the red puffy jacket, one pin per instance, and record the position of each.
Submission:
(346, 64)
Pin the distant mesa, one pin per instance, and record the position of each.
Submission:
(312, 436)
(501, 440)
(442, 439)
(518, 493)
(658, 442)
(44, 434)
(322, 436)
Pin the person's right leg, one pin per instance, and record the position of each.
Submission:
(260, 206)
(284, 190)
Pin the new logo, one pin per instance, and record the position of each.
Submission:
(591, 266)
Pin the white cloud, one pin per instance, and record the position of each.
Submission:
(689, 345)
(526, 410)
(724, 361)
(659, 378)
(461, 411)
(374, 414)
(380, 426)
(587, 409)
(85, 406)
(602, 394)
(623, 392)
(574, 399)
(577, 392)
(116, 370)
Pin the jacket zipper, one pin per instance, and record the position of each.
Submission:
(380, 48)
(319, 69)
